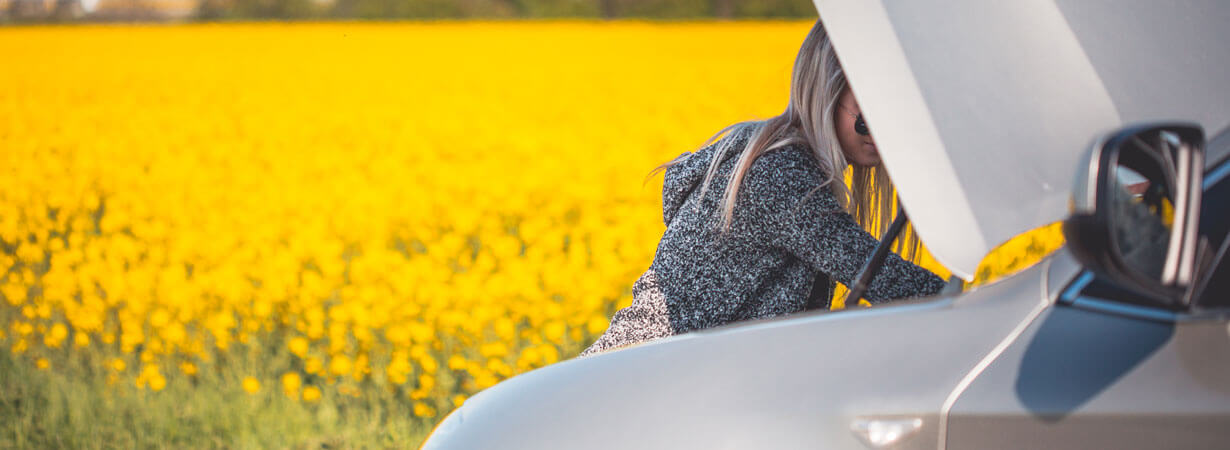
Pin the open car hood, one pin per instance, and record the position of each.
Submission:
(982, 110)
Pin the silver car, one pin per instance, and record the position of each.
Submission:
(985, 113)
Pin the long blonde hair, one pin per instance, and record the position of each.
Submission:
(817, 82)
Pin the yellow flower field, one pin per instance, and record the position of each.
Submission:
(316, 212)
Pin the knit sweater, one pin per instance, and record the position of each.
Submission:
(784, 233)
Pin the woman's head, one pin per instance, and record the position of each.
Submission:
(853, 134)
(823, 114)
(821, 104)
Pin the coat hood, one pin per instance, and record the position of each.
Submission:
(688, 174)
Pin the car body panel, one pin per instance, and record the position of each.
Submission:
(1218, 148)
(795, 382)
(1060, 272)
(982, 110)
(1214, 218)
(1090, 379)
(1081, 378)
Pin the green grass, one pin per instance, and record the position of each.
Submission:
(72, 405)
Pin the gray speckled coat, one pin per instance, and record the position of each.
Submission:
(780, 239)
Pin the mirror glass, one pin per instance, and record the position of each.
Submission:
(1136, 209)
(1141, 214)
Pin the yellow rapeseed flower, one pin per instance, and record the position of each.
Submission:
(313, 365)
(298, 346)
(597, 325)
(14, 293)
(19, 347)
(340, 365)
(157, 382)
(81, 339)
(59, 332)
(150, 377)
(311, 394)
(554, 331)
(427, 382)
(290, 384)
(251, 385)
(422, 410)
(457, 362)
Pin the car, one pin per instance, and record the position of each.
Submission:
(985, 113)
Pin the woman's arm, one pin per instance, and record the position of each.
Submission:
(809, 223)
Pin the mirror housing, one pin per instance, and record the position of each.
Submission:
(1135, 210)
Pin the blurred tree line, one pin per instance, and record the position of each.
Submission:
(12, 11)
(496, 9)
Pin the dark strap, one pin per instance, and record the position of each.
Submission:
(863, 281)
(821, 295)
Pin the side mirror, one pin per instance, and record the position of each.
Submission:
(1136, 209)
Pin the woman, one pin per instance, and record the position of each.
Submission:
(784, 224)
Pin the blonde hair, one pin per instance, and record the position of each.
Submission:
(817, 82)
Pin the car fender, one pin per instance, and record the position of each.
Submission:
(793, 382)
